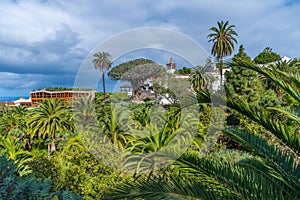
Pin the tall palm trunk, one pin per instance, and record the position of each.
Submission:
(221, 73)
(103, 82)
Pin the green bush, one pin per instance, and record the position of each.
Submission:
(12, 186)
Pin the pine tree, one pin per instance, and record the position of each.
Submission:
(247, 86)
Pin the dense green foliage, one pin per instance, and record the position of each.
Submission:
(172, 89)
(247, 85)
(12, 186)
(139, 74)
(184, 70)
(242, 144)
(118, 71)
(266, 56)
(266, 167)
(201, 77)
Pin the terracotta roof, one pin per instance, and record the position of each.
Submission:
(7, 103)
(125, 86)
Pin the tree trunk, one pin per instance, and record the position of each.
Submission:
(221, 73)
(221, 78)
(103, 82)
(49, 149)
(53, 147)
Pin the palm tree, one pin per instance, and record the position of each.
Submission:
(223, 43)
(13, 151)
(114, 124)
(102, 62)
(152, 140)
(200, 79)
(51, 118)
(9, 122)
(84, 111)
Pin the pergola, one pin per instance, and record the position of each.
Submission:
(125, 88)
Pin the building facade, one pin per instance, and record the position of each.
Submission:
(42, 95)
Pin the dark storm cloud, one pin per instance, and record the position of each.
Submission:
(53, 55)
(43, 41)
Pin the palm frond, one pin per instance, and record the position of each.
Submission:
(283, 166)
(294, 115)
(237, 178)
(170, 188)
(280, 129)
(268, 73)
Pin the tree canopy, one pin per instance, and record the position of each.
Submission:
(16, 187)
(241, 54)
(118, 71)
(267, 56)
(184, 70)
(247, 86)
(223, 38)
(139, 74)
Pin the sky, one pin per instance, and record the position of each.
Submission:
(43, 43)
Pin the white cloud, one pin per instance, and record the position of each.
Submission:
(53, 37)
(29, 21)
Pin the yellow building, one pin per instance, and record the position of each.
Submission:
(41, 95)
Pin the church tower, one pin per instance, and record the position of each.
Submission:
(171, 65)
